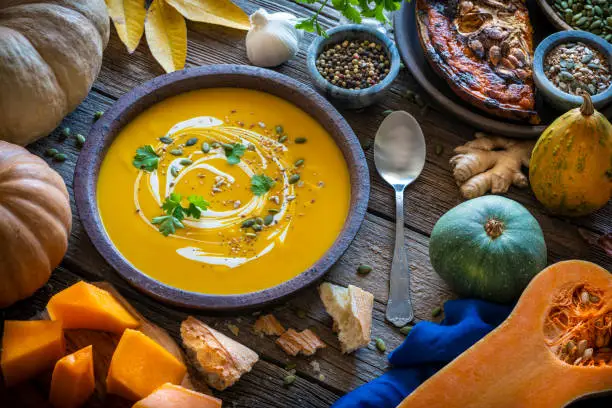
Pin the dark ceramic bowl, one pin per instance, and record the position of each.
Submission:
(348, 98)
(552, 15)
(561, 100)
(142, 97)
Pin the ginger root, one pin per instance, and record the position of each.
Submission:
(490, 163)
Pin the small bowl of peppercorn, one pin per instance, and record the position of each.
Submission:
(354, 65)
(569, 62)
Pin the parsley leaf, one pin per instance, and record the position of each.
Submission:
(261, 184)
(234, 152)
(146, 158)
(175, 212)
(196, 205)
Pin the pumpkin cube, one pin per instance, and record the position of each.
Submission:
(85, 306)
(172, 396)
(140, 365)
(29, 348)
(73, 380)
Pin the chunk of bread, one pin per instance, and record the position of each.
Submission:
(268, 325)
(305, 342)
(219, 358)
(351, 310)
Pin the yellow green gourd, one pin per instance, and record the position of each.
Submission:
(571, 165)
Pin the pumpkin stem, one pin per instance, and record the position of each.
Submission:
(587, 108)
(494, 228)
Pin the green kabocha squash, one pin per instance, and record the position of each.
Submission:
(571, 165)
(488, 247)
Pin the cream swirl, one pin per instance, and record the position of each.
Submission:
(266, 155)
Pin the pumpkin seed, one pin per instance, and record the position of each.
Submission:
(301, 140)
(273, 211)
(247, 223)
(387, 112)
(364, 269)
(98, 115)
(294, 178)
(380, 345)
(65, 133)
(288, 380)
(215, 145)
(174, 171)
(283, 139)
(256, 227)
(166, 139)
(582, 345)
(259, 221)
(268, 219)
(299, 162)
(588, 353)
(565, 76)
(205, 147)
(251, 235)
(584, 297)
(185, 162)
(439, 149)
(191, 141)
(594, 299)
(60, 157)
(595, 24)
(80, 140)
(290, 366)
(436, 312)
(278, 129)
(176, 152)
(405, 330)
(587, 58)
(51, 152)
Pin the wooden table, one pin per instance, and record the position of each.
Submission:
(427, 199)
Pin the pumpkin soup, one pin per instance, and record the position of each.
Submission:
(223, 191)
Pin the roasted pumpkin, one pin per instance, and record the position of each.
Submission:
(73, 379)
(174, 396)
(35, 221)
(50, 54)
(552, 349)
(29, 348)
(571, 165)
(85, 306)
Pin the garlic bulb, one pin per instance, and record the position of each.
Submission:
(272, 39)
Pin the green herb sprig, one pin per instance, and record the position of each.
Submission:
(234, 152)
(175, 212)
(146, 158)
(261, 184)
(353, 10)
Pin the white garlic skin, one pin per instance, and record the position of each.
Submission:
(272, 39)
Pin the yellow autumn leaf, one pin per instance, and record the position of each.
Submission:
(219, 12)
(166, 33)
(128, 17)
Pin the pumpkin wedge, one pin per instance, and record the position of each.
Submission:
(553, 348)
(73, 379)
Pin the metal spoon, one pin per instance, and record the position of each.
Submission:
(399, 155)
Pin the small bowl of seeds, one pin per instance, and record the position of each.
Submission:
(570, 62)
(354, 65)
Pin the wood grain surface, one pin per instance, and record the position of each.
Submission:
(427, 199)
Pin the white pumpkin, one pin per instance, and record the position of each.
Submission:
(50, 54)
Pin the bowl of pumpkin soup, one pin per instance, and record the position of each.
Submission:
(221, 187)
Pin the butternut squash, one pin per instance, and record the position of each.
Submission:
(553, 348)
(73, 379)
(139, 365)
(85, 306)
(29, 348)
(172, 396)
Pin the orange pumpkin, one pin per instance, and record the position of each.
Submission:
(552, 349)
(36, 222)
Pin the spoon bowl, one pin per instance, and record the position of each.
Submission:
(399, 155)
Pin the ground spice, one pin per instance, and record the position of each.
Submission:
(353, 64)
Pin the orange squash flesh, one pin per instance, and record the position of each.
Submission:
(29, 348)
(85, 306)
(172, 396)
(539, 356)
(139, 365)
(73, 379)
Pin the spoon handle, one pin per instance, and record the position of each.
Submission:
(399, 306)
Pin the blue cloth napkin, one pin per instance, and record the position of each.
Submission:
(427, 348)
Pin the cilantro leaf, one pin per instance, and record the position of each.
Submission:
(146, 158)
(234, 152)
(196, 205)
(261, 184)
(167, 224)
